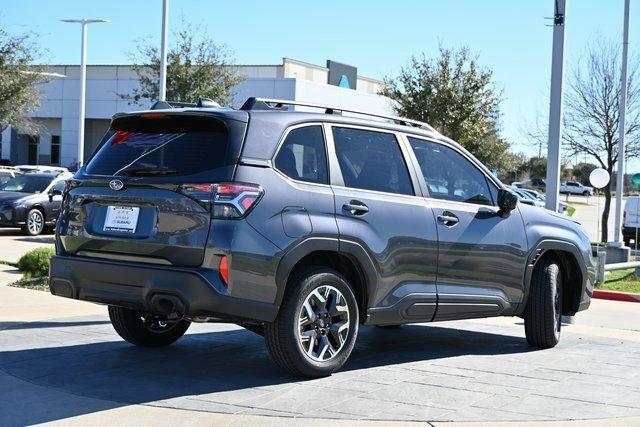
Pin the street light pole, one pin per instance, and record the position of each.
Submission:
(555, 107)
(163, 51)
(83, 81)
(621, 126)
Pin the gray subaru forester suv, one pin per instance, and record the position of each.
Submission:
(302, 226)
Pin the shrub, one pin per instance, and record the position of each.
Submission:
(35, 263)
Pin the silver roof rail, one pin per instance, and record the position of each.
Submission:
(269, 104)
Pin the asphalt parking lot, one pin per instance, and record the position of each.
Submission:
(60, 360)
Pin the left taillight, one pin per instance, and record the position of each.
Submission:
(226, 199)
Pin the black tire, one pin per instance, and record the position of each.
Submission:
(543, 314)
(34, 216)
(283, 336)
(129, 325)
(627, 241)
(586, 193)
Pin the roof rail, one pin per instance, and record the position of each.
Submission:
(253, 104)
(202, 103)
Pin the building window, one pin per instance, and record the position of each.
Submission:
(55, 150)
(33, 149)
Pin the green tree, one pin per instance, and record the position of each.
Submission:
(457, 97)
(196, 66)
(581, 172)
(19, 79)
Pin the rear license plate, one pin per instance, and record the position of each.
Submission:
(122, 219)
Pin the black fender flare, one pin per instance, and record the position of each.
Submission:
(536, 253)
(351, 249)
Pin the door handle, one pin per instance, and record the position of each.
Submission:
(448, 219)
(355, 207)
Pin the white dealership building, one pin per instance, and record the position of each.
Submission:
(56, 144)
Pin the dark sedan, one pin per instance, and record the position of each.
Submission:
(32, 201)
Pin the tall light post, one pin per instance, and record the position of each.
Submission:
(83, 81)
(163, 51)
(621, 127)
(555, 107)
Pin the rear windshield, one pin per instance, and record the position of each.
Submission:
(158, 145)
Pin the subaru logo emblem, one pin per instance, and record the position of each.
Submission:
(116, 184)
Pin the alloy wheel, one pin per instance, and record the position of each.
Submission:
(35, 222)
(156, 323)
(323, 323)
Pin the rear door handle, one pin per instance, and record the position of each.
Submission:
(448, 219)
(355, 207)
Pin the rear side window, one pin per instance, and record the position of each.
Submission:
(371, 161)
(303, 156)
(167, 146)
(449, 175)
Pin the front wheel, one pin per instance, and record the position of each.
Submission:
(146, 329)
(543, 314)
(34, 224)
(317, 325)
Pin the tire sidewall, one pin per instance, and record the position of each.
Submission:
(311, 281)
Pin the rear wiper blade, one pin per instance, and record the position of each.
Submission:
(149, 171)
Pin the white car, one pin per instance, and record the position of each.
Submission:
(41, 169)
(631, 220)
(573, 187)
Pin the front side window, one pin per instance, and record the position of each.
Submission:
(449, 175)
(371, 160)
(303, 156)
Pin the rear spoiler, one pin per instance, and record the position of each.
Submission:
(202, 103)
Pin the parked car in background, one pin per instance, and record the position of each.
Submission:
(533, 184)
(41, 169)
(574, 187)
(32, 201)
(8, 172)
(303, 226)
(528, 198)
(631, 220)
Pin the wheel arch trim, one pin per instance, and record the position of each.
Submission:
(314, 244)
(541, 247)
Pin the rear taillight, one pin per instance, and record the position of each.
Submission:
(224, 200)
(232, 200)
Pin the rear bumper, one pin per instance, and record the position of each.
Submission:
(193, 292)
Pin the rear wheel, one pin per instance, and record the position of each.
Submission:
(34, 224)
(317, 325)
(586, 193)
(146, 329)
(543, 314)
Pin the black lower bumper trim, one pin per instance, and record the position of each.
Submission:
(150, 288)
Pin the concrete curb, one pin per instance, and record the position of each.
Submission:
(616, 296)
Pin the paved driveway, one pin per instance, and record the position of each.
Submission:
(464, 371)
(13, 244)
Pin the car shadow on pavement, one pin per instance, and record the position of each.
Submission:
(45, 240)
(203, 363)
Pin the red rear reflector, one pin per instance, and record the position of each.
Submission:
(223, 268)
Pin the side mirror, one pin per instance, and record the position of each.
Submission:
(507, 201)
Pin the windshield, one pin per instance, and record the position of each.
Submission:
(170, 145)
(26, 184)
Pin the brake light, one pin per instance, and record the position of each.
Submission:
(153, 115)
(223, 268)
(232, 200)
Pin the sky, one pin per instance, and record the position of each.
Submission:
(512, 38)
